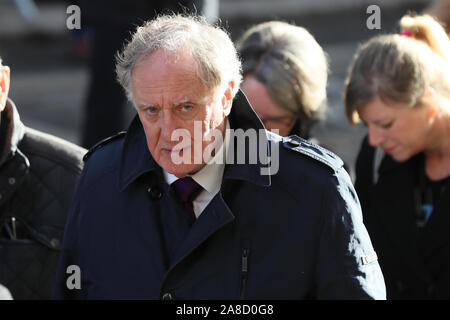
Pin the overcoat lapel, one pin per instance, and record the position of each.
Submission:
(215, 216)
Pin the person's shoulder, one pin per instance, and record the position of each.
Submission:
(303, 164)
(105, 155)
(105, 146)
(53, 149)
(303, 150)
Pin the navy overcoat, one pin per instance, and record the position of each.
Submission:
(294, 234)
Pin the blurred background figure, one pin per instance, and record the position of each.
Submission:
(108, 25)
(440, 9)
(285, 76)
(399, 86)
(38, 173)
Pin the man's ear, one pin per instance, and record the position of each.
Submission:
(227, 99)
(4, 86)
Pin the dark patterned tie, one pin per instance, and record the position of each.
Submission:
(187, 189)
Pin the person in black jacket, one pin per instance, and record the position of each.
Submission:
(399, 85)
(158, 218)
(38, 173)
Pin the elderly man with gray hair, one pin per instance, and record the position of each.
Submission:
(198, 201)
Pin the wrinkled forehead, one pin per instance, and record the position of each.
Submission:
(163, 65)
(180, 58)
(163, 77)
(169, 66)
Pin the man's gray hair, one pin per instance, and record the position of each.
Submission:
(210, 46)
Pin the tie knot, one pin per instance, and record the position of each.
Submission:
(187, 189)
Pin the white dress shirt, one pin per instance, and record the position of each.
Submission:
(209, 177)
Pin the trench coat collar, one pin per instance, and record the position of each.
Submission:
(14, 131)
(136, 159)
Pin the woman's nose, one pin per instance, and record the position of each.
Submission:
(376, 137)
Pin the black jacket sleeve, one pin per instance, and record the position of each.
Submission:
(347, 263)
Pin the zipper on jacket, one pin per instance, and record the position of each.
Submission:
(244, 271)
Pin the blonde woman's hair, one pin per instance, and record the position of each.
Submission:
(399, 67)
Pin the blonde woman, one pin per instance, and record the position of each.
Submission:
(399, 86)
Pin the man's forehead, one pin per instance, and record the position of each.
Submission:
(193, 99)
(161, 66)
(179, 57)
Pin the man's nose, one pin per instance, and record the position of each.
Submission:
(376, 137)
(167, 125)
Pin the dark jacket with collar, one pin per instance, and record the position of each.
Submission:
(414, 260)
(292, 235)
(38, 173)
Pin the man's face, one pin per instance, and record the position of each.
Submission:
(168, 96)
(4, 86)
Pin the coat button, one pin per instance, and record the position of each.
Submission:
(11, 180)
(54, 243)
(167, 296)
(154, 193)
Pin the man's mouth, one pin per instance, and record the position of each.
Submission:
(173, 150)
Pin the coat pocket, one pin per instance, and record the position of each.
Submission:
(17, 230)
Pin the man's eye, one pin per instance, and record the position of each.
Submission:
(186, 108)
(152, 110)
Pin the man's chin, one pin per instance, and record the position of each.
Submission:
(182, 170)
